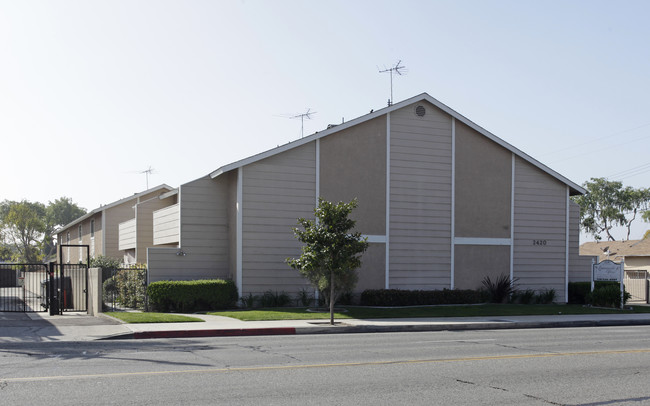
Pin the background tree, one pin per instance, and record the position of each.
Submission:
(331, 252)
(57, 214)
(608, 204)
(27, 229)
(23, 227)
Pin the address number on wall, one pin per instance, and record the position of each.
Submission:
(539, 242)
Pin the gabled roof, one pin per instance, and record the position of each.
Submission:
(163, 188)
(574, 188)
(617, 249)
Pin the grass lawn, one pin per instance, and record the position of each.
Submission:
(426, 311)
(134, 317)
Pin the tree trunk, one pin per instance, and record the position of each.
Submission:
(332, 297)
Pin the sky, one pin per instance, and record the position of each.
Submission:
(93, 93)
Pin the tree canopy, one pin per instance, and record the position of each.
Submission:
(27, 228)
(608, 204)
(331, 252)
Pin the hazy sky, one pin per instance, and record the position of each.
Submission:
(93, 92)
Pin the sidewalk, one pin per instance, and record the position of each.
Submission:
(39, 327)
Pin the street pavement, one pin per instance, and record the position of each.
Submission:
(41, 327)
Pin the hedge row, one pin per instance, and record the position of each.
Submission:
(189, 296)
(605, 294)
(398, 297)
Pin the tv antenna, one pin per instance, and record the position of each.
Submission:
(306, 115)
(147, 172)
(395, 70)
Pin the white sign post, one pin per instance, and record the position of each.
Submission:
(608, 271)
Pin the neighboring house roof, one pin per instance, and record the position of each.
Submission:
(164, 188)
(574, 188)
(617, 249)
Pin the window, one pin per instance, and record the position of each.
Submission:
(80, 232)
(92, 228)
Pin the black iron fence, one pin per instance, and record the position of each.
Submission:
(125, 288)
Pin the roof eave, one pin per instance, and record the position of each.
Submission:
(574, 189)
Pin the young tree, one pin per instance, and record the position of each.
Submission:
(608, 204)
(331, 252)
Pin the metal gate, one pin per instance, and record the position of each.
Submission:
(41, 287)
(23, 287)
(635, 282)
(67, 288)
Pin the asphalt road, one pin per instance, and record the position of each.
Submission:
(577, 366)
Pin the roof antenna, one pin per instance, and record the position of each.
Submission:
(302, 117)
(148, 172)
(397, 69)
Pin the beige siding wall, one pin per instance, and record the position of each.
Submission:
(127, 233)
(637, 263)
(144, 215)
(114, 216)
(420, 199)
(276, 191)
(483, 186)
(204, 235)
(353, 165)
(72, 255)
(372, 273)
(232, 223)
(475, 262)
(579, 266)
(166, 225)
(540, 230)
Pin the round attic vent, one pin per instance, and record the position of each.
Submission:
(420, 111)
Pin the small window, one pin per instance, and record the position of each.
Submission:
(80, 232)
(92, 228)
(67, 239)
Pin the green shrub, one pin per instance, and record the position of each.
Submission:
(499, 290)
(189, 296)
(547, 296)
(524, 297)
(274, 299)
(248, 302)
(607, 295)
(578, 292)
(304, 298)
(398, 297)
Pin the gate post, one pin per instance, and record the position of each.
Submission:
(53, 301)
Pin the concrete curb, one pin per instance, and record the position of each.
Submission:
(348, 329)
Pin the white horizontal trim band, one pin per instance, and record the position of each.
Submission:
(482, 241)
(375, 238)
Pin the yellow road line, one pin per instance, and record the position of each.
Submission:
(343, 364)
